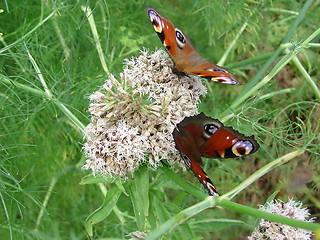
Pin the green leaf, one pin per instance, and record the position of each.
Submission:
(188, 187)
(163, 214)
(141, 181)
(138, 207)
(161, 211)
(152, 219)
(90, 179)
(102, 212)
(119, 184)
(211, 225)
(139, 194)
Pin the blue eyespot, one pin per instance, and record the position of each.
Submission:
(180, 37)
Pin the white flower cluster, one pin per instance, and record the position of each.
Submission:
(133, 119)
(276, 231)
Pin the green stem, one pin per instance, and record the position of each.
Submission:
(262, 171)
(307, 77)
(223, 201)
(264, 56)
(40, 93)
(211, 202)
(69, 114)
(283, 61)
(8, 81)
(261, 98)
(251, 87)
(181, 217)
(89, 15)
(6, 213)
(268, 216)
(27, 34)
(298, 20)
(248, 61)
(184, 184)
(39, 74)
(231, 45)
(49, 193)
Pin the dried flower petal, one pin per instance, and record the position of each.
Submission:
(275, 231)
(133, 119)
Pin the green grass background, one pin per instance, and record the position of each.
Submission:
(41, 156)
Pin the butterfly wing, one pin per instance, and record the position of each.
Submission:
(226, 142)
(184, 55)
(201, 136)
(185, 137)
(210, 71)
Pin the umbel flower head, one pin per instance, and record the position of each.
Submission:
(133, 117)
(276, 231)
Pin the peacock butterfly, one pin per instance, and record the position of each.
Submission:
(183, 53)
(201, 136)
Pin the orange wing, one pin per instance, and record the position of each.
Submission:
(185, 143)
(183, 53)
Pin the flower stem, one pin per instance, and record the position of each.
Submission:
(89, 14)
(211, 202)
(262, 171)
(268, 216)
(43, 94)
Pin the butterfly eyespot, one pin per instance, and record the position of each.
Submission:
(242, 148)
(219, 70)
(210, 128)
(181, 40)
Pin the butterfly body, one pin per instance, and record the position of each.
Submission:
(201, 136)
(184, 54)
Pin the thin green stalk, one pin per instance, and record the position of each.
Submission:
(231, 45)
(14, 57)
(315, 34)
(184, 184)
(263, 97)
(49, 193)
(49, 95)
(298, 20)
(282, 62)
(27, 34)
(89, 15)
(45, 201)
(211, 202)
(115, 209)
(308, 78)
(66, 49)
(268, 216)
(275, 93)
(9, 222)
(263, 82)
(69, 114)
(262, 171)
(270, 61)
(181, 217)
(40, 93)
(264, 56)
(39, 74)
(34, 91)
(279, 10)
(315, 45)
(248, 61)
(223, 201)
